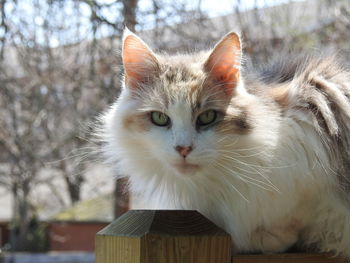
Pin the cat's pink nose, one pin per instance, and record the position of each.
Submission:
(183, 150)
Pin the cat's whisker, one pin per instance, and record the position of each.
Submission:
(206, 155)
(249, 149)
(254, 169)
(239, 176)
(253, 165)
(90, 151)
(327, 171)
(262, 175)
(247, 179)
(229, 158)
(223, 138)
(227, 144)
(234, 188)
(249, 155)
(241, 155)
(269, 183)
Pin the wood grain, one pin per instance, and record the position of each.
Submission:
(111, 249)
(189, 249)
(287, 258)
(148, 236)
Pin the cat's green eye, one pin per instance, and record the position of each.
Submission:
(159, 118)
(206, 118)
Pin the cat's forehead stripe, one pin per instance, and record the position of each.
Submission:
(179, 72)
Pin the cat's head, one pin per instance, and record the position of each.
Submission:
(183, 113)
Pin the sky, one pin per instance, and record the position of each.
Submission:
(212, 8)
(223, 7)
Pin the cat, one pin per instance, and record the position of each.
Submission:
(264, 155)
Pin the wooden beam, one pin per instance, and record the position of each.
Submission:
(148, 236)
(288, 258)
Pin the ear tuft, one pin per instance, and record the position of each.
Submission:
(140, 64)
(223, 64)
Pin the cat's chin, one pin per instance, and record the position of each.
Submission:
(185, 168)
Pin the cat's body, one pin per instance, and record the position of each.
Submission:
(271, 168)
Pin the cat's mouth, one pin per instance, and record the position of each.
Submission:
(186, 168)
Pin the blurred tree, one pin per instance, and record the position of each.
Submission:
(53, 78)
(121, 194)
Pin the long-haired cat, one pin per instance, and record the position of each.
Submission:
(264, 155)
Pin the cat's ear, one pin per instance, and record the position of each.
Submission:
(224, 62)
(140, 64)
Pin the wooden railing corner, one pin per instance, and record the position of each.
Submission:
(145, 236)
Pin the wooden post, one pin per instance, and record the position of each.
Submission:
(162, 236)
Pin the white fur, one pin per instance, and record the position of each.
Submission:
(286, 186)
